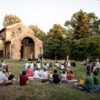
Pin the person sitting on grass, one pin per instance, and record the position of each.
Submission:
(89, 82)
(29, 72)
(70, 75)
(23, 78)
(36, 74)
(56, 78)
(4, 80)
(63, 77)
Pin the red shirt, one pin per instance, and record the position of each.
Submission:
(29, 72)
(70, 76)
(65, 69)
(23, 79)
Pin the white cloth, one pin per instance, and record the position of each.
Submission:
(3, 77)
(45, 75)
(69, 65)
(36, 74)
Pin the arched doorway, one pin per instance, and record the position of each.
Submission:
(27, 48)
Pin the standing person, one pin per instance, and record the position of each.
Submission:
(97, 66)
(89, 67)
(23, 78)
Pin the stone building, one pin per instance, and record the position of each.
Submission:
(18, 42)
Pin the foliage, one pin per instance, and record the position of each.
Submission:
(56, 42)
(10, 19)
(86, 48)
(83, 24)
(38, 32)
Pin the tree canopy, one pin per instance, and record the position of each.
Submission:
(10, 19)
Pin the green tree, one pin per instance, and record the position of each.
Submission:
(35, 29)
(58, 30)
(56, 44)
(38, 32)
(79, 22)
(83, 24)
(10, 19)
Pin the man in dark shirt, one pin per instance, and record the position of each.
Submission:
(56, 77)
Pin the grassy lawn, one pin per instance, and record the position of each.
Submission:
(36, 90)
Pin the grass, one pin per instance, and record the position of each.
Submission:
(36, 90)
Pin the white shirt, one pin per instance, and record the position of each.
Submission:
(69, 65)
(63, 77)
(36, 74)
(57, 65)
(45, 75)
(62, 66)
(3, 77)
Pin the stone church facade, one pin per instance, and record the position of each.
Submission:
(18, 42)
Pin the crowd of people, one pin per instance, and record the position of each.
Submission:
(47, 72)
(52, 73)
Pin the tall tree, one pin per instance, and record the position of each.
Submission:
(58, 30)
(83, 24)
(79, 22)
(10, 19)
(56, 41)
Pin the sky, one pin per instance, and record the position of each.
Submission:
(46, 13)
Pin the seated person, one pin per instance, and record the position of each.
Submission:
(23, 78)
(4, 79)
(89, 82)
(36, 74)
(29, 72)
(56, 78)
(70, 76)
(65, 69)
(63, 77)
(45, 74)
